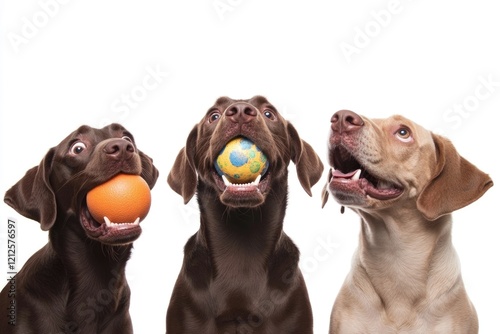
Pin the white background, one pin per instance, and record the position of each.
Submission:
(73, 64)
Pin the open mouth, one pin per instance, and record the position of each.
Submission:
(109, 232)
(259, 184)
(241, 183)
(350, 180)
(249, 194)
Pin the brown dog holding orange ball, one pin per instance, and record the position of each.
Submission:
(76, 283)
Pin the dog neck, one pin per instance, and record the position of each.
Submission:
(93, 270)
(241, 233)
(407, 259)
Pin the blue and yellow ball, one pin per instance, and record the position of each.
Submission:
(241, 161)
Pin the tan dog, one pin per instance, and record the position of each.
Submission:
(404, 182)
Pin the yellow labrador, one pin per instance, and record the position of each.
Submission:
(404, 182)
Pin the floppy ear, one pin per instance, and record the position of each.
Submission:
(308, 164)
(182, 177)
(32, 196)
(324, 192)
(455, 184)
(149, 171)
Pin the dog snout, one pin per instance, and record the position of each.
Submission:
(119, 149)
(346, 121)
(241, 112)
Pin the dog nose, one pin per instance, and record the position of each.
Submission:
(346, 121)
(241, 112)
(119, 149)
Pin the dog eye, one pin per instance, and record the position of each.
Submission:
(269, 114)
(213, 117)
(78, 147)
(404, 134)
(127, 138)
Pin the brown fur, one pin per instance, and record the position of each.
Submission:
(76, 283)
(240, 272)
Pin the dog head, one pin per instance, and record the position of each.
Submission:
(378, 163)
(260, 122)
(56, 189)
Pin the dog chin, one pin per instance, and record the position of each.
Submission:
(249, 195)
(242, 198)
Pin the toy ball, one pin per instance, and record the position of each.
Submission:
(122, 199)
(241, 161)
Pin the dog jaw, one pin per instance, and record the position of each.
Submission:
(247, 195)
(113, 234)
(352, 183)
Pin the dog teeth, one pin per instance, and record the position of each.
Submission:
(257, 180)
(356, 176)
(346, 176)
(227, 183)
(109, 223)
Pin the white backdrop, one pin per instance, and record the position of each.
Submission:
(156, 66)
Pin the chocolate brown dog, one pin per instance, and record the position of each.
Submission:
(76, 283)
(240, 272)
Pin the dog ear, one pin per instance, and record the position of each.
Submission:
(32, 196)
(182, 177)
(456, 182)
(308, 164)
(325, 193)
(149, 171)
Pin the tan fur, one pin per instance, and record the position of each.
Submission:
(405, 275)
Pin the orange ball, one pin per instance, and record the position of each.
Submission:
(122, 199)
